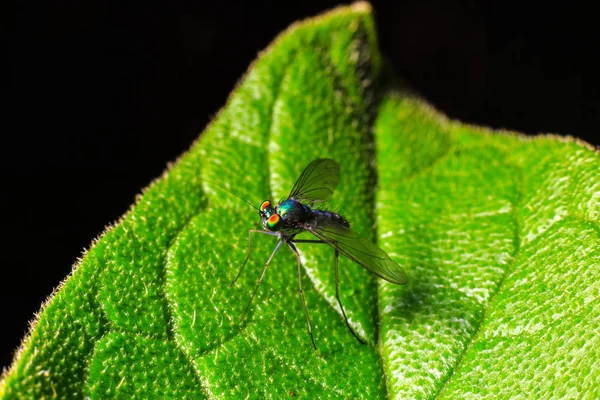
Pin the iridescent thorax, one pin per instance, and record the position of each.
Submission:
(292, 211)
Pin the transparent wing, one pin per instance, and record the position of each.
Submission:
(360, 250)
(317, 182)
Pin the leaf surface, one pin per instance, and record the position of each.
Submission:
(497, 233)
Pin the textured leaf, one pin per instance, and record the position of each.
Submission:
(149, 309)
(498, 234)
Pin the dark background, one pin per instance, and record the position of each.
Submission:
(102, 95)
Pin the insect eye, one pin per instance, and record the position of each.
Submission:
(274, 222)
(265, 204)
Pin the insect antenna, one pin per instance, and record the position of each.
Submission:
(231, 193)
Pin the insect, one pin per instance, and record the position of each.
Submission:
(295, 215)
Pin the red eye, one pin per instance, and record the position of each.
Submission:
(274, 222)
(265, 205)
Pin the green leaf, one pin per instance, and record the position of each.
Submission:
(498, 234)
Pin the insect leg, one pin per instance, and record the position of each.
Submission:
(261, 277)
(250, 232)
(291, 245)
(308, 241)
(337, 296)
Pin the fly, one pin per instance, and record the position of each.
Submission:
(295, 215)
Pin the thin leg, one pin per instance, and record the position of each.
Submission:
(308, 241)
(261, 277)
(337, 296)
(291, 245)
(250, 232)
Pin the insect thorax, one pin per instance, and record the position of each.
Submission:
(293, 212)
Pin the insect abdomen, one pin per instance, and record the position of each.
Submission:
(321, 216)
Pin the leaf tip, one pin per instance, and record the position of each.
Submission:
(361, 7)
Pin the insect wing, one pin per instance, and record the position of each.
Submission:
(360, 250)
(317, 182)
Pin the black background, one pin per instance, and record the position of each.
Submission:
(102, 95)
